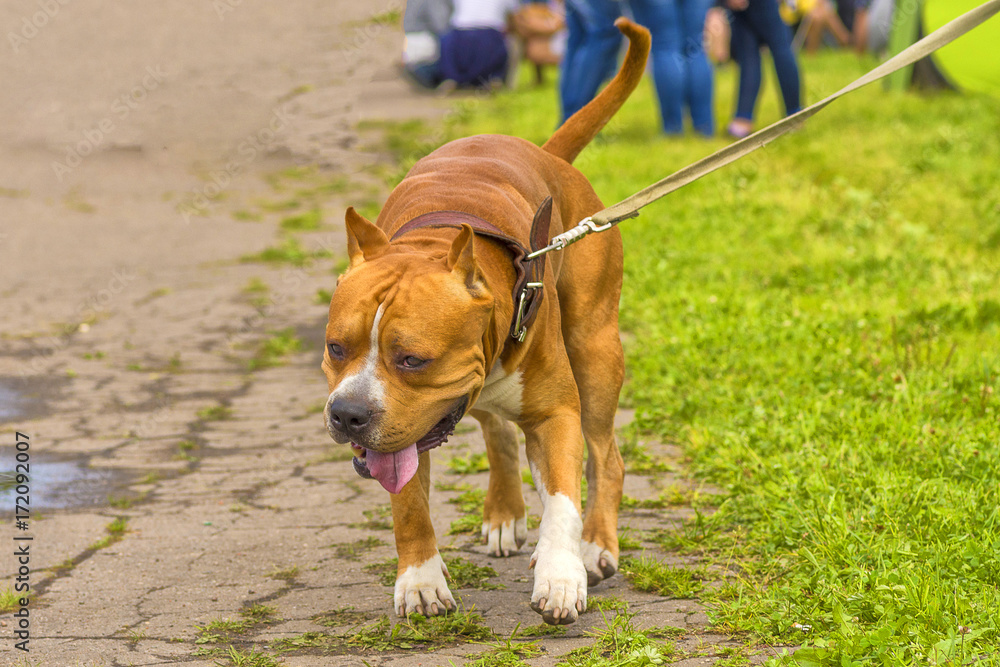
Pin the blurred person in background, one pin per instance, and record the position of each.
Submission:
(872, 25)
(757, 23)
(815, 18)
(681, 71)
(474, 51)
(423, 23)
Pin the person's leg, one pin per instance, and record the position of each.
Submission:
(448, 65)
(765, 21)
(699, 84)
(492, 58)
(598, 40)
(663, 19)
(861, 25)
(746, 52)
(822, 19)
(575, 34)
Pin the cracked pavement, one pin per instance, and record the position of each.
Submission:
(128, 327)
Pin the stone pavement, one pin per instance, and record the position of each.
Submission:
(171, 388)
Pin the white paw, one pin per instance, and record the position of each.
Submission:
(505, 539)
(600, 564)
(560, 591)
(423, 589)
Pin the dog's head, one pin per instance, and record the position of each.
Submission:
(405, 354)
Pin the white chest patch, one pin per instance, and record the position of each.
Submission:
(501, 394)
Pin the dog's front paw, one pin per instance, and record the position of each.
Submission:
(599, 562)
(423, 589)
(560, 592)
(505, 538)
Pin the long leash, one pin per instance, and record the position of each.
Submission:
(629, 207)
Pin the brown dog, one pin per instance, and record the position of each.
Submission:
(421, 332)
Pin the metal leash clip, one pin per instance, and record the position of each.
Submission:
(520, 331)
(586, 227)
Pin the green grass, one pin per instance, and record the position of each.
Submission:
(271, 351)
(249, 658)
(414, 632)
(323, 297)
(376, 518)
(619, 644)
(468, 464)
(215, 413)
(467, 524)
(540, 630)
(120, 502)
(647, 574)
(287, 574)
(466, 574)
(817, 327)
(505, 653)
(217, 638)
(256, 286)
(290, 251)
(118, 526)
(385, 570)
(604, 603)
(463, 573)
(303, 222)
(354, 550)
(9, 599)
(341, 617)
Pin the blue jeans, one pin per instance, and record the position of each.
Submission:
(760, 24)
(681, 71)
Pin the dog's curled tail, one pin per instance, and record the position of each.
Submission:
(580, 128)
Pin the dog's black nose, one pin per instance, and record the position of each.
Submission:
(348, 416)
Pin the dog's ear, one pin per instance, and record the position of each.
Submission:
(364, 239)
(462, 260)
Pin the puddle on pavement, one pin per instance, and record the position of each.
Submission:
(60, 483)
(27, 398)
(10, 404)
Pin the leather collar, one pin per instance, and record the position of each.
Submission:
(530, 273)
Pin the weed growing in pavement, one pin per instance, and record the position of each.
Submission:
(376, 518)
(414, 632)
(647, 574)
(466, 574)
(620, 644)
(468, 464)
(271, 351)
(285, 574)
(215, 413)
(505, 653)
(341, 617)
(290, 251)
(354, 550)
(9, 600)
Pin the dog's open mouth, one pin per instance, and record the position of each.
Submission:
(393, 470)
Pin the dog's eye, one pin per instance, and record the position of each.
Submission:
(336, 351)
(412, 362)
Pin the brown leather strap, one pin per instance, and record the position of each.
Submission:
(530, 273)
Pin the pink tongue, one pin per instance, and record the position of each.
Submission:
(393, 470)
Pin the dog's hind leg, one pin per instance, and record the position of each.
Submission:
(504, 517)
(593, 343)
(421, 576)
